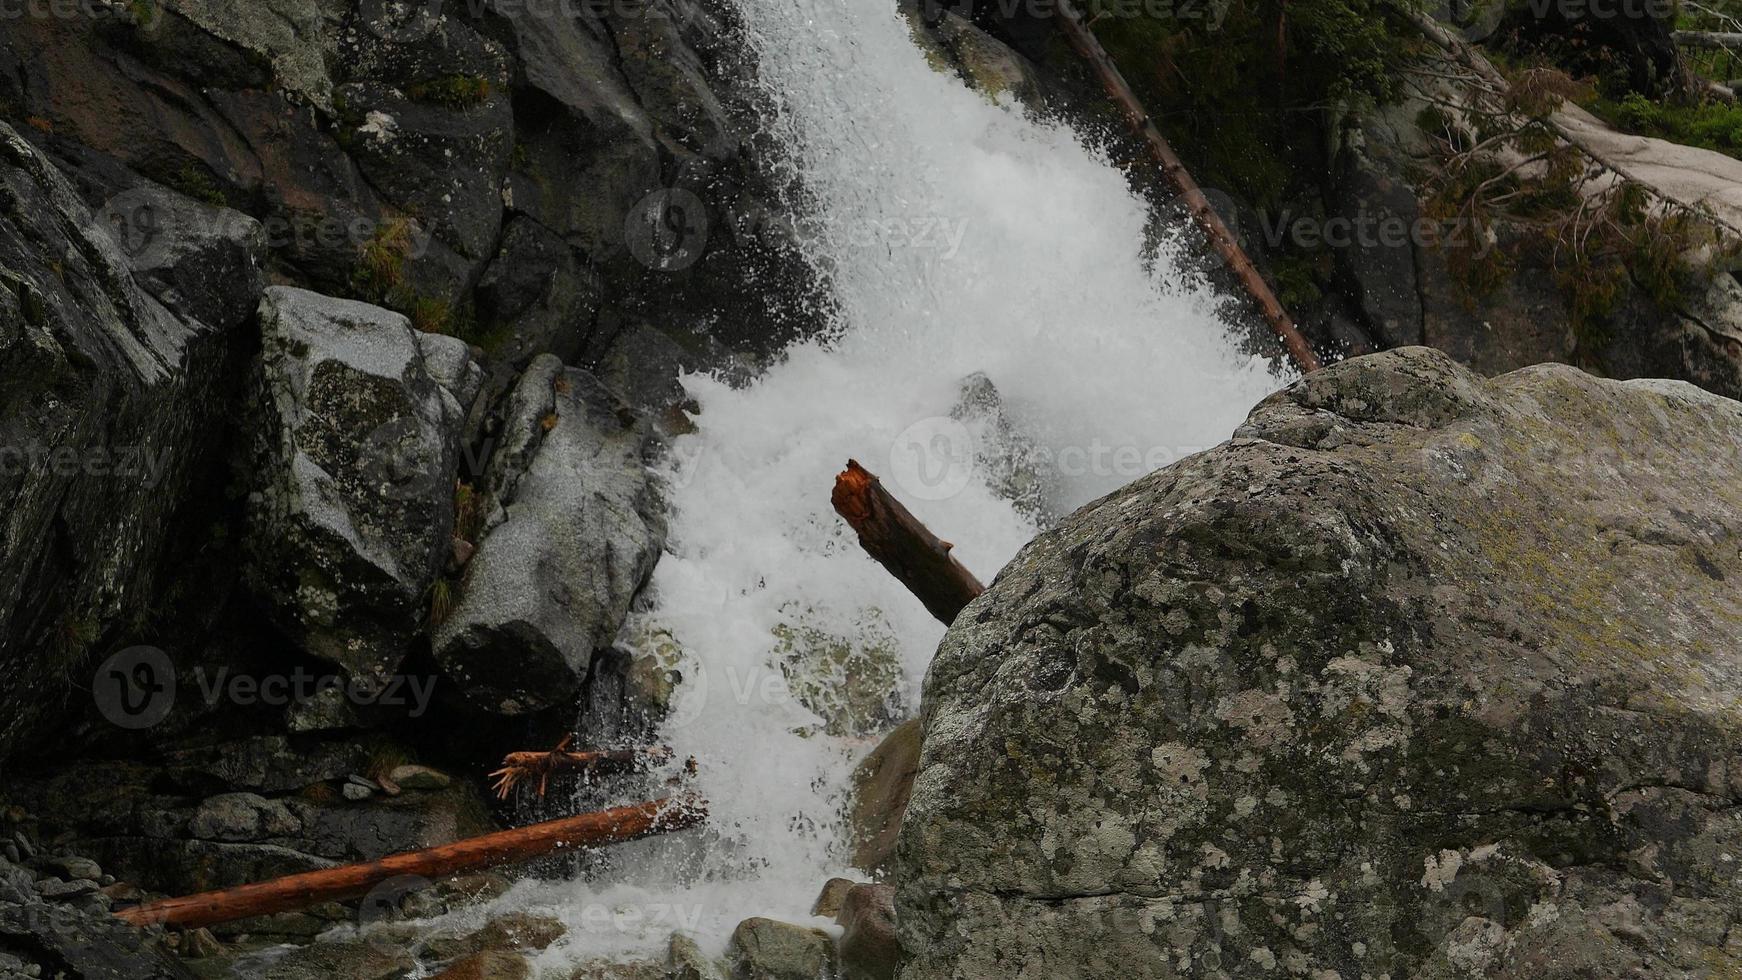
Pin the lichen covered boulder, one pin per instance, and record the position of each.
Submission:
(1420, 676)
(355, 448)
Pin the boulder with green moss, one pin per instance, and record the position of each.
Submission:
(355, 448)
(1420, 675)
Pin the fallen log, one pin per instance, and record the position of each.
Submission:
(473, 854)
(519, 767)
(1467, 55)
(1710, 40)
(900, 543)
(1089, 48)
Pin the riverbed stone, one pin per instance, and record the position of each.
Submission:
(766, 949)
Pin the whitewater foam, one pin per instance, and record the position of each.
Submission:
(958, 235)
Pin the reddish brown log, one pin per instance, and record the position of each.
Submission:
(900, 543)
(518, 767)
(1088, 47)
(473, 854)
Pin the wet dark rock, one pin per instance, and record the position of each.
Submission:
(113, 404)
(882, 786)
(203, 262)
(1378, 260)
(242, 817)
(494, 965)
(538, 294)
(56, 939)
(578, 535)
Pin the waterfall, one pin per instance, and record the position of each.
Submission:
(960, 236)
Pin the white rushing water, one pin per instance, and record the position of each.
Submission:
(959, 236)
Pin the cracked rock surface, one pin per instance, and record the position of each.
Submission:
(1421, 675)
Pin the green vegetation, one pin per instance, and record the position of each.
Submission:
(1241, 91)
(468, 513)
(1504, 169)
(193, 181)
(441, 601)
(380, 278)
(453, 91)
(1710, 125)
(380, 272)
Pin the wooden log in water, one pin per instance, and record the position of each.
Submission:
(473, 854)
(1089, 48)
(891, 534)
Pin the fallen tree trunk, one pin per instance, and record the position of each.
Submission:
(900, 543)
(1718, 40)
(1089, 48)
(1467, 55)
(473, 854)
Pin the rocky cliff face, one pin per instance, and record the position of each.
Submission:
(1421, 675)
(112, 409)
(453, 193)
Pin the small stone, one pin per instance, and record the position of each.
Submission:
(123, 891)
(462, 553)
(763, 949)
(686, 961)
(519, 931)
(71, 867)
(25, 848)
(363, 781)
(328, 709)
(11, 852)
(829, 901)
(356, 792)
(491, 965)
(200, 944)
(62, 891)
(389, 787)
(869, 949)
(420, 777)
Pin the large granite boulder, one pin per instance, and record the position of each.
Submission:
(575, 529)
(1420, 676)
(110, 412)
(356, 449)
